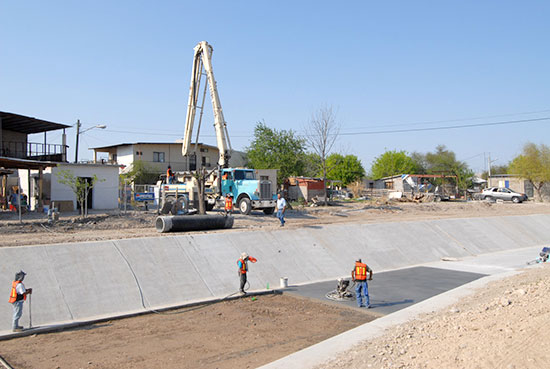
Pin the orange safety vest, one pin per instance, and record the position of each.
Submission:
(243, 268)
(13, 294)
(360, 271)
(228, 203)
(169, 173)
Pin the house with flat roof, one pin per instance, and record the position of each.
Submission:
(160, 155)
(30, 167)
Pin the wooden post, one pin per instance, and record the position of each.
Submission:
(40, 189)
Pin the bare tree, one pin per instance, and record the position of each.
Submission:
(321, 133)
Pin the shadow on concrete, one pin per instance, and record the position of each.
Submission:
(375, 304)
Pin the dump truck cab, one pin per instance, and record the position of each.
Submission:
(248, 192)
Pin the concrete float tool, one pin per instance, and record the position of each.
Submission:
(341, 292)
(186, 223)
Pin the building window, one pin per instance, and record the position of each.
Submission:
(158, 157)
(388, 185)
(206, 162)
(139, 153)
(204, 149)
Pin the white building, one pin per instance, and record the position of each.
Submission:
(103, 196)
(159, 155)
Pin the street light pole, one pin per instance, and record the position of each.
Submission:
(77, 137)
(79, 132)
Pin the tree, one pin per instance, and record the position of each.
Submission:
(346, 169)
(311, 165)
(79, 186)
(533, 164)
(273, 149)
(443, 161)
(321, 133)
(140, 173)
(393, 163)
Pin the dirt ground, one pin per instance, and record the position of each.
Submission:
(70, 228)
(504, 325)
(243, 333)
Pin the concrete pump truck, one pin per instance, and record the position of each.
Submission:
(247, 191)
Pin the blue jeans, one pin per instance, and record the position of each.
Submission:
(362, 289)
(281, 216)
(17, 312)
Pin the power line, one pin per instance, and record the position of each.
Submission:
(446, 127)
(453, 120)
(366, 132)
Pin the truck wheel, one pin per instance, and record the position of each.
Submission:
(269, 211)
(244, 206)
(167, 205)
(179, 205)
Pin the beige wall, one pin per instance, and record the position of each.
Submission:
(127, 154)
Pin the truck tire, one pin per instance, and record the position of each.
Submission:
(244, 206)
(180, 205)
(167, 205)
(269, 211)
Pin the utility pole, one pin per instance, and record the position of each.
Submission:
(489, 162)
(76, 146)
(79, 132)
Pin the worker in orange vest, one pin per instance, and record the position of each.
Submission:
(169, 175)
(242, 263)
(359, 276)
(228, 203)
(17, 296)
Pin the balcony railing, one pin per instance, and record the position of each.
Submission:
(33, 151)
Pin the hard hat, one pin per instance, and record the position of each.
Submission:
(20, 275)
(244, 255)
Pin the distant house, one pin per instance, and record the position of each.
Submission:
(159, 155)
(31, 164)
(518, 184)
(304, 188)
(103, 196)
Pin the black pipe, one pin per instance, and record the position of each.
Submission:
(185, 223)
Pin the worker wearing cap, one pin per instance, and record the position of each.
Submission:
(359, 276)
(228, 203)
(17, 297)
(242, 263)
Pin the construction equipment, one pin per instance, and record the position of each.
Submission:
(248, 192)
(544, 255)
(341, 292)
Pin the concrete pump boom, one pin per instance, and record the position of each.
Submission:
(203, 58)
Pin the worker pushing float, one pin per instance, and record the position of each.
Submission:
(359, 276)
(242, 263)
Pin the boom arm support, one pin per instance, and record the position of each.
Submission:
(203, 59)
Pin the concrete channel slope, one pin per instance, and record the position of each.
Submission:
(86, 281)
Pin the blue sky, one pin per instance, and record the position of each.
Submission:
(381, 65)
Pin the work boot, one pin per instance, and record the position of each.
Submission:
(18, 329)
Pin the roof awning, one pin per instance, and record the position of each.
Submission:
(11, 163)
(27, 125)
